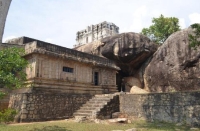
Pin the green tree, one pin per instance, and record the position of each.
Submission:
(161, 28)
(194, 39)
(12, 65)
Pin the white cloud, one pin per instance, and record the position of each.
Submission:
(138, 16)
(141, 11)
(194, 18)
(142, 18)
(9, 37)
(182, 23)
(48, 40)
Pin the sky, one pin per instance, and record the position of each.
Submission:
(57, 21)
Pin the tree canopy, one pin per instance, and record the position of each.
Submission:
(12, 65)
(161, 28)
(194, 39)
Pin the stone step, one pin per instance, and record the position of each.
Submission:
(88, 108)
(105, 95)
(94, 105)
(82, 114)
(84, 111)
(97, 102)
(99, 99)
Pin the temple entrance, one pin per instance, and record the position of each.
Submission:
(118, 82)
(119, 76)
(96, 78)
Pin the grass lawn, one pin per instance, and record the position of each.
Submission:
(64, 125)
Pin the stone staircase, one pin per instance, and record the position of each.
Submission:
(100, 106)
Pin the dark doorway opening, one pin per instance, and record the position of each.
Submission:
(119, 76)
(96, 78)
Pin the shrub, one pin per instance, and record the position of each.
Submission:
(7, 115)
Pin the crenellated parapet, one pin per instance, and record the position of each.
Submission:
(96, 32)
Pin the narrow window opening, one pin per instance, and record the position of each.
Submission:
(68, 69)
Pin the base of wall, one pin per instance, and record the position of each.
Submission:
(46, 106)
(180, 107)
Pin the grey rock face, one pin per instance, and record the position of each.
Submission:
(4, 6)
(91, 48)
(175, 66)
(128, 50)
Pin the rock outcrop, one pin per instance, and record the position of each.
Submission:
(133, 85)
(91, 48)
(128, 50)
(4, 6)
(175, 66)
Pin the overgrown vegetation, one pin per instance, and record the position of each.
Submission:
(2, 94)
(7, 115)
(161, 28)
(194, 39)
(12, 65)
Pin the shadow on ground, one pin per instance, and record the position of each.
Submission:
(51, 128)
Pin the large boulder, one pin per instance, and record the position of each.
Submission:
(128, 50)
(133, 85)
(175, 66)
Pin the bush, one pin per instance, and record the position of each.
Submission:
(7, 115)
(2, 94)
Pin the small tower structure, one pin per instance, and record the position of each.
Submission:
(96, 32)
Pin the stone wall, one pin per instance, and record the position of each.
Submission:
(42, 107)
(6, 45)
(170, 107)
(4, 102)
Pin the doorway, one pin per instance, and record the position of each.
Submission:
(96, 78)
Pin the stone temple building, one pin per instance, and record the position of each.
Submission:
(60, 80)
(96, 32)
(61, 69)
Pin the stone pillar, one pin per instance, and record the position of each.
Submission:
(4, 6)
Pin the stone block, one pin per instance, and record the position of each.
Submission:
(24, 111)
(23, 116)
(118, 120)
(30, 116)
(35, 116)
(26, 102)
(32, 105)
(24, 98)
(35, 111)
(119, 115)
(31, 112)
(31, 108)
(23, 106)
